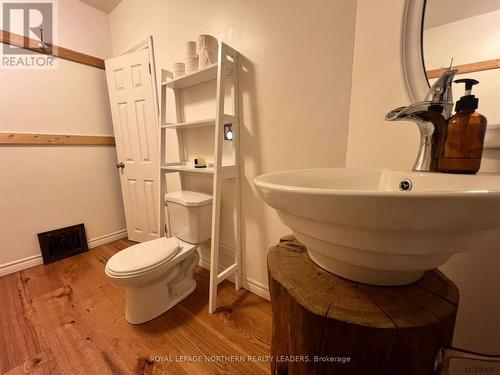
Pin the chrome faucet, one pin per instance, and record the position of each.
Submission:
(438, 99)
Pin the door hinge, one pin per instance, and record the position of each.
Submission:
(149, 68)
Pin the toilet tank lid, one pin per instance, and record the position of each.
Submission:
(189, 198)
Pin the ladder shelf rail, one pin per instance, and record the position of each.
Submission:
(227, 63)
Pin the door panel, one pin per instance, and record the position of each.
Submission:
(135, 123)
(149, 193)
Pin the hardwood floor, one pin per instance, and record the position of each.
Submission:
(66, 318)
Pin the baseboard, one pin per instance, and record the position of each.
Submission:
(256, 287)
(20, 264)
(36, 260)
(249, 284)
(102, 240)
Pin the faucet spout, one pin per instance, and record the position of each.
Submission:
(428, 114)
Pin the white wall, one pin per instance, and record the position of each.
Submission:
(48, 187)
(377, 86)
(295, 89)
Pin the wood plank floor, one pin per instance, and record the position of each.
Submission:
(67, 318)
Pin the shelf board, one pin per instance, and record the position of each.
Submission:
(187, 168)
(199, 123)
(228, 171)
(200, 76)
(191, 124)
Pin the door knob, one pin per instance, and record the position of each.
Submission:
(120, 165)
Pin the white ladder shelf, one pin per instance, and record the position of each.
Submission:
(227, 63)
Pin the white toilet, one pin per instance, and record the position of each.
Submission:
(159, 273)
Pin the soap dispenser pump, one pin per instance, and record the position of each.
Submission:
(462, 146)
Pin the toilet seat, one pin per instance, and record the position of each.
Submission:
(143, 257)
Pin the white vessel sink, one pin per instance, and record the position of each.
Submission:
(358, 224)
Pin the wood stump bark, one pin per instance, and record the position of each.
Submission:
(324, 324)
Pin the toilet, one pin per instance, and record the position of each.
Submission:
(158, 274)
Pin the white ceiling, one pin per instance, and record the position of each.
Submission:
(104, 5)
(440, 12)
(437, 12)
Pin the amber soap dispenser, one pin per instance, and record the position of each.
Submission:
(462, 144)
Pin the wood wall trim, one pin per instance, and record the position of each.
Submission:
(467, 68)
(55, 139)
(61, 52)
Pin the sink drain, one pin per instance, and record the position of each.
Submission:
(405, 185)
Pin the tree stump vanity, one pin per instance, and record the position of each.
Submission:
(324, 324)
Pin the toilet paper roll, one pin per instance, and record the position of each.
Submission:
(192, 64)
(207, 57)
(178, 69)
(208, 48)
(207, 41)
(190, 49)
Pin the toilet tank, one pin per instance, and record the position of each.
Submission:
(190, 215)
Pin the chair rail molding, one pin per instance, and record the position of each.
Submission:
(55, 139)
(467, 68)
(20, 41)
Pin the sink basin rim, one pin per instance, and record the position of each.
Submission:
(261, 182)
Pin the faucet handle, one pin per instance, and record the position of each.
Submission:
(441, 91)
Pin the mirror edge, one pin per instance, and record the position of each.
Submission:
(417, 84)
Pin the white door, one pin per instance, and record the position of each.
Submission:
(135, 124)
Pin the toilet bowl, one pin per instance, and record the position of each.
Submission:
(157, 274)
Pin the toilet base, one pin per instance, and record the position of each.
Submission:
(149, 302)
